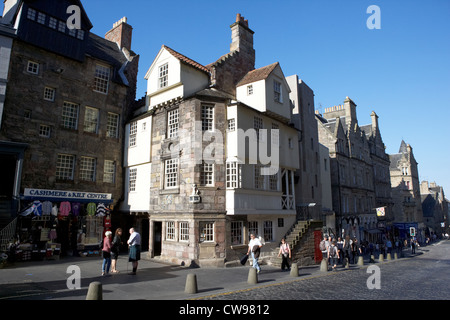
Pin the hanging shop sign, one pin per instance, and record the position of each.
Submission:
(66, 195)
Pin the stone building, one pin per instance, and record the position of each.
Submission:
(435, 209)
(198, 169)
(68, 96)
(309, 188)
(405, 184)
(355, 153)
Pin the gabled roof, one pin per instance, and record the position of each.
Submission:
(186, 60)
(258, 74)
(182, 58)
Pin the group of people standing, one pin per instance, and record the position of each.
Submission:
(340, 250)
(111, 251)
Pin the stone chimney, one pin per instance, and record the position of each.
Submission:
(374, 117)
(350, 112)
(121, 34)
(242, 38)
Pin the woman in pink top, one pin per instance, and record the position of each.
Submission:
(106, 250)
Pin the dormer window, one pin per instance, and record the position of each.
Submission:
(163, 76)
(277, 91)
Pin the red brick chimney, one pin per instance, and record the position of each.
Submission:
(121, 34)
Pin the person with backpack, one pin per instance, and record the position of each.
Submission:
(333, 255)
(323, 247)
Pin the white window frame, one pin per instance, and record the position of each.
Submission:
(173, 123)
(109, 171)
(133, 134)
(101, 79)
(163, 76)
(171, 173)
(91, 120)
(132, 178)
(65, 166)
(33, 67)
(207, 118)
(49, 94)
(44, 131)
(231, 125)
(171, 231)
(268, 231)
(207, 232)
(70, 115)
(88, 169)
(184, 231)
(277, 91)
(232, 174)
(207, 174)
(112, 125)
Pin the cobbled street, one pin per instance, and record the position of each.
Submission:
(423, 277)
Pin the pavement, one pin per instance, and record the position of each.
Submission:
(51, 279)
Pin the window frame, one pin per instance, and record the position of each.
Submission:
(173, 123)
(102, 78)
(65, 167)
(171, 167)
(88, 169)
(163, 76)
(88, 125)
(69, 118)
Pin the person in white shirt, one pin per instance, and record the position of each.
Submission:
(254, 247)
(134, 243)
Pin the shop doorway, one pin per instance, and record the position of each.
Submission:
(157, 238)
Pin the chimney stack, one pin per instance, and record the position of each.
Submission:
(121, 33)
(242, 36)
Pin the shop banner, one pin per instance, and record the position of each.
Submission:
(67, 195)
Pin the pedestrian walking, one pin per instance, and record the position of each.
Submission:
(347, 249)
(333, 255)
(134, 244)
(285, 252)
(389, 246)
(106, 252)
(413, 246)
(254, 247)
(340, 247)
(356, 249)
(115, 250)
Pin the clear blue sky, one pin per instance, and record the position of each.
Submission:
(402, 71)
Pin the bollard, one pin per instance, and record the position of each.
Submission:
(381, 257)
(389, 257)
(191, 284)
(347, 263)
(252, 276)
(95, 291)
(395, 255)
(360, 261)
(324, 265)
(294, 270)
(372, 258)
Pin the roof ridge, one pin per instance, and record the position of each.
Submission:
(185, 59)
(258, 74)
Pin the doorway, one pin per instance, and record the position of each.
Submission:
(157, 238)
